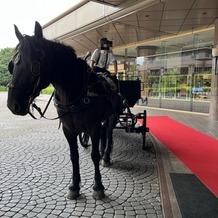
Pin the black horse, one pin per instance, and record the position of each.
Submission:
(83, 99)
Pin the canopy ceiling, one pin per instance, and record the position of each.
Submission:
(161, 19)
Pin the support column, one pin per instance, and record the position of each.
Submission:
(213, 112)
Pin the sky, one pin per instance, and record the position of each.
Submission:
(24, 13)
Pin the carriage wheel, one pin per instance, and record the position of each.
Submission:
(84, 139)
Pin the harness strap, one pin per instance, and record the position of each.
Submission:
(98, 58)
(106, 59)
(105, 64)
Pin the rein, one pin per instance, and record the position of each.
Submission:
(72, 107)
(42, 114)
(77, 105)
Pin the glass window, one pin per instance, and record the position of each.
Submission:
(178, 69)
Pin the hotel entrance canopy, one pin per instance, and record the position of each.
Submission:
(132, 22)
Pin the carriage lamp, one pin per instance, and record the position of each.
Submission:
(215, 56)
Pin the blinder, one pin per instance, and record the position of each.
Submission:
(10, 67)
(15, 60)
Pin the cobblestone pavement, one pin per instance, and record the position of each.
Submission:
(35, 172)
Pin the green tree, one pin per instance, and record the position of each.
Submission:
(5, 56)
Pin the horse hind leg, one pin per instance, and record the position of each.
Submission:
(98, 188)
(106, 159)
(103, 141)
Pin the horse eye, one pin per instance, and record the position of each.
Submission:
(10, 67)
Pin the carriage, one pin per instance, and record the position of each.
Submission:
(130, 90)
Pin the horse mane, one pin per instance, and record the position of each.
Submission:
(29, 46)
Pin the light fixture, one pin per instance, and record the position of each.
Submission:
(215, 52)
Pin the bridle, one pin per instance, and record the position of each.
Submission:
(36, 73)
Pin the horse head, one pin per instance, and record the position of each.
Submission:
(28, 71)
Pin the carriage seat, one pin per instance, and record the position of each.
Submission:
(111, 80)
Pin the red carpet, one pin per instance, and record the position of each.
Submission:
(196, 150)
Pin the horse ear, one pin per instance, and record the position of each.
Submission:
(18, 34)
(38, 31)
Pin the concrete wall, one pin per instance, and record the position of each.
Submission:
(76, 19)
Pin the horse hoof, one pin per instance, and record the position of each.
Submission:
(73, 195)
(98, 195)
(106, 163)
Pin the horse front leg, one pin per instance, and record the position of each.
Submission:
(98, 188)
(74, 187)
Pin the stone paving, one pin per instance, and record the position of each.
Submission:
(35, 171)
